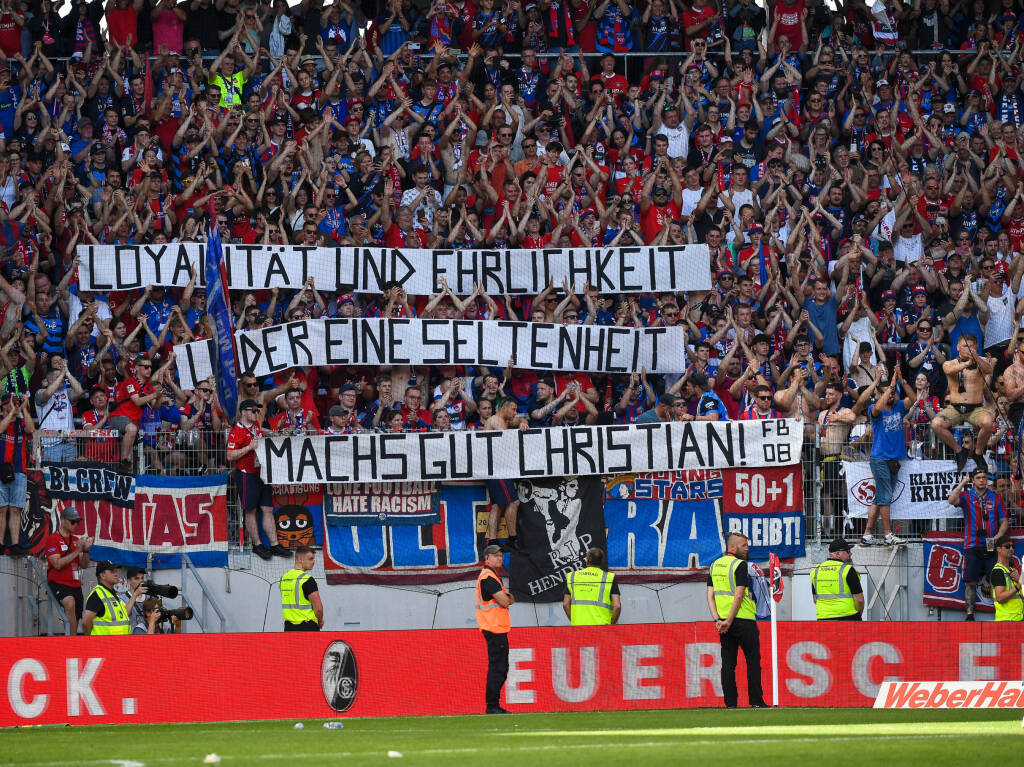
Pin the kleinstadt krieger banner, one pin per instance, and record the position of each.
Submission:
(644, 269)
(96, 680)
(513, 454)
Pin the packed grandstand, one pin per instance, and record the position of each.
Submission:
(853, 171)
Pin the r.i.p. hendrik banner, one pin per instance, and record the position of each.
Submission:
(644, 269)
(514, 454)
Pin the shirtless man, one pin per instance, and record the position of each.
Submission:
(966, 376)
(504, 498)
(1011, 386)
(834, 424)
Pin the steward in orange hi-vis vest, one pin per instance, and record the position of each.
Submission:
(492, 616)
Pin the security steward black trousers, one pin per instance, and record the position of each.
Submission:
(497, 666)
(742, 634)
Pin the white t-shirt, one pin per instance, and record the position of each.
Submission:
(678, 140)
(55, 413)
(908, 249)
(999, 327)
(691, 197)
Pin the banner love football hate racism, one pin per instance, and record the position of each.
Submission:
(387, 341)
(514, 454)
(644, 269)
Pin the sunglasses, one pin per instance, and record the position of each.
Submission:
(572, 316)
(764, 398)
(205, 391)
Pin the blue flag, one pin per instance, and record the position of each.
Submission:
(219, 309)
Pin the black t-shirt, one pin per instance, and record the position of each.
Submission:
(489, 587)
(96, 605)
(742, 577)
(309, 586)
(999, 578)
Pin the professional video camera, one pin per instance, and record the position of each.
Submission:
(160, 590)
(181, 613)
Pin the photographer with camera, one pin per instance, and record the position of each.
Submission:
(133, 592)
(157, 619)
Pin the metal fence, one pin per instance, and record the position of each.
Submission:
(826, 511)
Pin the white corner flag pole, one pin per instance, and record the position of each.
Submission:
(775, 649)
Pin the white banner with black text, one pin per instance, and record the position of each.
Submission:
(533, 345)
(642, 269)
(514, 454)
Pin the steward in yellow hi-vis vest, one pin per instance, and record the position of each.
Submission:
(1005, 580)
(105, 614)
(492, 603)
(591, 594)
(300, 597)
(835, 586)
(734, 614)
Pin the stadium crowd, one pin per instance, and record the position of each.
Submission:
(856, 175)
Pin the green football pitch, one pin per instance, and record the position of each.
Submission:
(785, 737)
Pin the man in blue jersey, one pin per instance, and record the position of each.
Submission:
(887, 450)
(985, 520)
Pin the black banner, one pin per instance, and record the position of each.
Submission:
(559, 519)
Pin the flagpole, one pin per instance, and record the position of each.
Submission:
(775, 650)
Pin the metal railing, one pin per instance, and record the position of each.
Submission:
(209, 599)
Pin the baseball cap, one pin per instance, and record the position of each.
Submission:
(346, 387)
(336, 410)
(492, 549)
(951, 108)
(104, 565)
(886, 295)
(71, 515)
(755, 227)
(881, 83)
(918, 290)
(839, 544)
(247, 404)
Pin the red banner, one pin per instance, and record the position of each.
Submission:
(107, 680)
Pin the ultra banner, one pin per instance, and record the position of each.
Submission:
(920, 491)
(513, 454)
(645, 269)
(675, 521)
(944, 561)
(660, 527)
(94, 680)
(131, 517)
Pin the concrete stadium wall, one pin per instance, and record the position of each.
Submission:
(248, 594)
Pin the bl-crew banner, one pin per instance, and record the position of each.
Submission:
(386, 341)
(643, 269)
(133, 517)
(514, 454)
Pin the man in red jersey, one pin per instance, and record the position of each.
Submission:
(66, 555)
(243, 441)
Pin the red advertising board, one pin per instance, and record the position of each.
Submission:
(105, 680)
